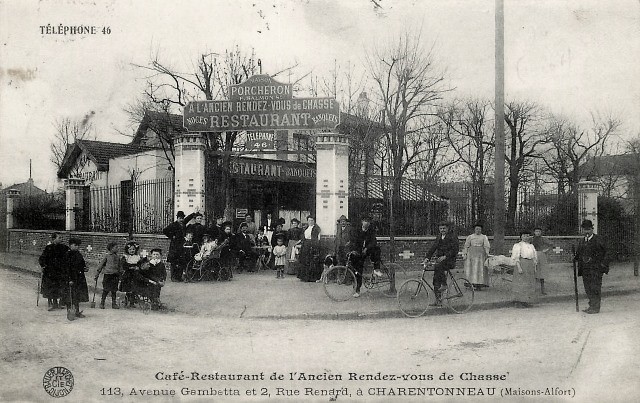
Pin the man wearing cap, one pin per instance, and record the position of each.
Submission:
(364, 242)
(445, 250)
(591, 257)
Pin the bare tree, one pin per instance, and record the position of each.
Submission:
(524, 144)
(408, 88)
(67, 132)
(470, 134)
(572, 146)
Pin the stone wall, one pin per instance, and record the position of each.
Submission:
(412, 250)
(93, 247)
(409, 250)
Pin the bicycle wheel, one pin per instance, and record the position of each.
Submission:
(459, 295)
(146, 307)
(414, 297)
(340, 283)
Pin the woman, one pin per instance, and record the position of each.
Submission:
(310, 270)
(475, 253)
(542, 245)
(295, 235)
(129, 263)
(524, 275)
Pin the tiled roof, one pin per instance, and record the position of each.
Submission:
(100, 152)
(159, 122)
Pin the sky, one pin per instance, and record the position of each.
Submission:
(572, 57)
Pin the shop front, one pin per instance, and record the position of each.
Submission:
(259, 186)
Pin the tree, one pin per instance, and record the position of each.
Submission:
(524, 142)
(67, 132)
(470, 135)
(633, 149)
(571, 146)
(408, 88)
(211, 77)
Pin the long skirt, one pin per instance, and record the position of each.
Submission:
(309, 269)
(543, 264)
(474, 269)
(523, 287)
(52, 286)
(291, 263)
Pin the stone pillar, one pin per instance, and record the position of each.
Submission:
(71, 186)
(588, 203)
(189, 150)
(332, 180)
(12, 194)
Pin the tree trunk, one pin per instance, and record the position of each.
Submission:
(512, 203)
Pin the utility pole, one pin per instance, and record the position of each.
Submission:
(498, 205)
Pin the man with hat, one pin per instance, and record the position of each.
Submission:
(591, 257)
(175, 233)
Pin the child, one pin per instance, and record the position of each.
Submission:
(130, 264)
(280, 252)
(261, 239)
(187, 252)
(76, 267)
(154, 273)
(111, 267)
(208, 246)
(328, 264)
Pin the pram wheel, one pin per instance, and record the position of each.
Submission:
(224, 274)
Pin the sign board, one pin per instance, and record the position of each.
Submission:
(241, 212)
(261, 104)
(260, 141)
(269, 170)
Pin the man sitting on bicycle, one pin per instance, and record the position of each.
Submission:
(364, 243)
(445, 250)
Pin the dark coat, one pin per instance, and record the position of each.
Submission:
(147, 274)
(128, 270)
(447, 247)
(269, 226)
(242, 242)
(295, 234)
(361, 240)
(198, 231)
(76, 268)
(54, 276)
(592, 255)
(175, 233)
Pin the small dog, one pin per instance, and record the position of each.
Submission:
(328, 264)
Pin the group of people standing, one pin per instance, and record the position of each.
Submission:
(530, 258)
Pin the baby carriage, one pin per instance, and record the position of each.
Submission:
(210, 267)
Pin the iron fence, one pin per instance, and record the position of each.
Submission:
(143, 207)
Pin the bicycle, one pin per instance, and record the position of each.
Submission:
(340, 281)
(416, 295)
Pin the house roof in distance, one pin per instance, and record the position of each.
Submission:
(100, 152)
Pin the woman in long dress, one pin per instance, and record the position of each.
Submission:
(542, 246)
(524, 275)
(310, 269)
(475, 252)
(294, 235)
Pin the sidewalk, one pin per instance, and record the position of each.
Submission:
(261, 295)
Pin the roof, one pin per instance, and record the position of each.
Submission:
(100, 152)
(409, 189)
(623, 164)
(25, 188)
(159, 122)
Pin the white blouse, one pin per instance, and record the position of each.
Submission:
(523, 250)
(307, 232)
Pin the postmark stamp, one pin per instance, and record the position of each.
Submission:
(58, 382)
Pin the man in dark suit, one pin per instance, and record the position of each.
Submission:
(445, 250)
(365, 244)
(243, 245)
(591, 257)
(175, 233)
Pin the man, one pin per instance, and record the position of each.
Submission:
(252, 229)
(243, 245)
(217, 229)
(365, 244)
(76, 267)
(445, 250)
(343, 239)
(175, 233)
(53, 283)
(197, 228)
(591, 257)
(269, 227)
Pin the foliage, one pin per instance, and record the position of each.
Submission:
(39, 212)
